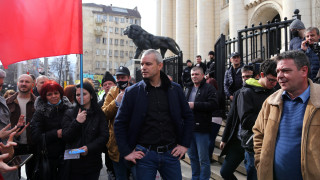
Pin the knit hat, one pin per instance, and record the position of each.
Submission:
(211, 53)
(297, 24)
(108, 77)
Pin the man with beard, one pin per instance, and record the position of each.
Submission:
(154, 123)
(110, 108)
(21, 106)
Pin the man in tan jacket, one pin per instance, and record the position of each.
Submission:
(110, 108)
(287, 130)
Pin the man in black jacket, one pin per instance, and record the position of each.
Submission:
(249, 103)
(200, 64)
(202, 100)
(186, 74)
(230, 143)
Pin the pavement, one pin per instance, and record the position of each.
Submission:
(185, 168)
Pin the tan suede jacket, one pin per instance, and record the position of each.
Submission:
(110, 110)
(266, 129)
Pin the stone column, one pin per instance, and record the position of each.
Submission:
(183, 27)
(166, 18)
(238, 17)
(205, 27)
(158, 18)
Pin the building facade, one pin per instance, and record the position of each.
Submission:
(105, 47)
(197, 24)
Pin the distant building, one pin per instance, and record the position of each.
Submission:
(101, 23)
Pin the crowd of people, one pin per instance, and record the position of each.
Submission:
(147, 127)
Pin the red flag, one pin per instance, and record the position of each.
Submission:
(31, 29)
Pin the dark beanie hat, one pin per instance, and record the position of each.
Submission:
(108, 77)
(211, 53)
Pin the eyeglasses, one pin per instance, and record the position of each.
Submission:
(272, 80)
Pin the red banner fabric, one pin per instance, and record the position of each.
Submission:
(31, 29)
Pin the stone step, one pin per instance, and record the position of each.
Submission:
(215, 170)
(216, 156)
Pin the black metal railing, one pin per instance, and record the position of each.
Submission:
(173, 66)
(262, 41)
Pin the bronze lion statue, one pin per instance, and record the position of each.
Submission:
(144, 40)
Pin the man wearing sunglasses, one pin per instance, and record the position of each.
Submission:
(249, 103)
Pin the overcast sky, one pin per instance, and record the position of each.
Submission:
(147, 9)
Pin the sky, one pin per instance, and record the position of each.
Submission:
(147, 9)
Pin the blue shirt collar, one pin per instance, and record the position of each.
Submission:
(304, 96)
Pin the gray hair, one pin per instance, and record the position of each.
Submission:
(197, 68)
(156, 54)
(41, 77)
(311, 29)
(300, 59)
(2, 73)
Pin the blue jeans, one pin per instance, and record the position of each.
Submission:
(198, 154)
(249, 163)
(167, 165)
(234, 156)
(213, 135)
(121, 170)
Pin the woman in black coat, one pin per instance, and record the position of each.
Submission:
(85, 128)
(47, 122)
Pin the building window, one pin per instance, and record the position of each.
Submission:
(137, 22)
(116, 19)
(99, 18)
(126, 42)
(122, 20)
(97, 64)
(121, 54)
(103, 64)
(110, 41)
(110, 64)
(131, 21)
(104, 52)
(105, 28)
(121, 30)
(110, 18)
(110, 53)
(131, 43)
(126, 53)
(116, 41)
(104, 40)
(130, 54)
(116, 53)
(116, 30)
(121, 42)
(98, 40)
(105, 18)
(111, 29)
(98, 52)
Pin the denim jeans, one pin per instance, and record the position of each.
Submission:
(198, 154)
(234, 156)
(213, 135)
(121, 170)
(249, 164)
(167, 165)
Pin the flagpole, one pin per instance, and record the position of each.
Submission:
(81, 78)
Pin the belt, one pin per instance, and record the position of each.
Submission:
(160, 149)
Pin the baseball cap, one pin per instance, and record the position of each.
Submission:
(234, 54)
(122, 71)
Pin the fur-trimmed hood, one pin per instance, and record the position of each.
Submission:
(47, 109)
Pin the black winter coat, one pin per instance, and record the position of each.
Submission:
(206, 102)
(249, 104)
(92, 133)
(47, 119)
(232, 125)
